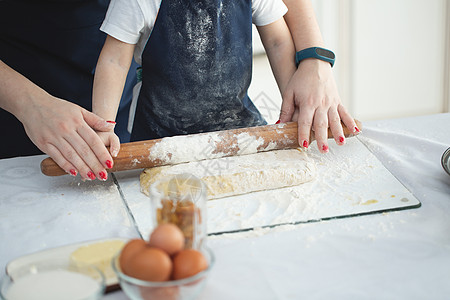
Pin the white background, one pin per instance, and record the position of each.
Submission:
(392, 57)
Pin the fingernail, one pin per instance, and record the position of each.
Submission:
(109, 164)
(91, 175)
(278, 122)
(305, 144)
(73, 172)
(111, 122)
(341, 139)
(357, 129)
(114, 154)
(325, 148)
(103, 176)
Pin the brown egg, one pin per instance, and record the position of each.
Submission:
(128, 251)
(167, 237)
(151, 264)
(188, 262)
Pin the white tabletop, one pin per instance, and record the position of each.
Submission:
(395, 255)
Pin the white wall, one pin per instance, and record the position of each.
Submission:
(392, 56)
(399, 57)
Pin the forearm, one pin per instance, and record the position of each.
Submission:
(110, 76)
(302, 23)
(311, 97)
(282, 64)
(17, 93)
(108, 85)
(280, 51)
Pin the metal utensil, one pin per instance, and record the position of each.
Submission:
(445, 161)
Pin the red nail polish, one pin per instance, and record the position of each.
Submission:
(305, 144)
(112, 122)
(91, 175)
(73, 172)
(278, 122)
(103, 175)
(341, 139)
(325, 148)
(357, 129)
(109, 164)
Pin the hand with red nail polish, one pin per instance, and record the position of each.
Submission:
(90, 175)
(63, 130)
(109, 164)
(312, 100)
(103, 175)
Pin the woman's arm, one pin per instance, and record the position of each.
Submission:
(61, 129)
(311, 97)
(303, 25)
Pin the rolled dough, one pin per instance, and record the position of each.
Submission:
(230, 176)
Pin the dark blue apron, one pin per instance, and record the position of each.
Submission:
(56, 45)
(196, 69)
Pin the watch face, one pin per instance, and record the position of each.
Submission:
(326, 53)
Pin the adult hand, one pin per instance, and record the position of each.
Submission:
(311, 98)
(67, 133)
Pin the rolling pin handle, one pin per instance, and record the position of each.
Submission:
(50, 168)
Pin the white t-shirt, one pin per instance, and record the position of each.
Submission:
(131, 21)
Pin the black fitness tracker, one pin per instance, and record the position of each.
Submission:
(315, 52)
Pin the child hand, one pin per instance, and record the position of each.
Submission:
(111, 140)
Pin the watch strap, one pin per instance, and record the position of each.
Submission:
(315, 52)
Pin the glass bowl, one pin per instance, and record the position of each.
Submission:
(53, 279)
(183, 289)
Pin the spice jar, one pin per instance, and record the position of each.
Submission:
(181, 200)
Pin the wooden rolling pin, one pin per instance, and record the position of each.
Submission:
(201, 146)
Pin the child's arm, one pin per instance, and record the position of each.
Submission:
(280, 49)
(110, 75)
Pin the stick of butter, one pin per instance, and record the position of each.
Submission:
(98, 254)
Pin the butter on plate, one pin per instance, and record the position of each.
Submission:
(98, 254)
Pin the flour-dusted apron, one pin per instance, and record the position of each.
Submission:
(196, 69)
(56, 45)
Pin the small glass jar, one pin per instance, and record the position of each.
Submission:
(181, 200)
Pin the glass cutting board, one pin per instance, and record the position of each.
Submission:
(350, 182)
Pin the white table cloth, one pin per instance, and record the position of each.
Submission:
(395, 255)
